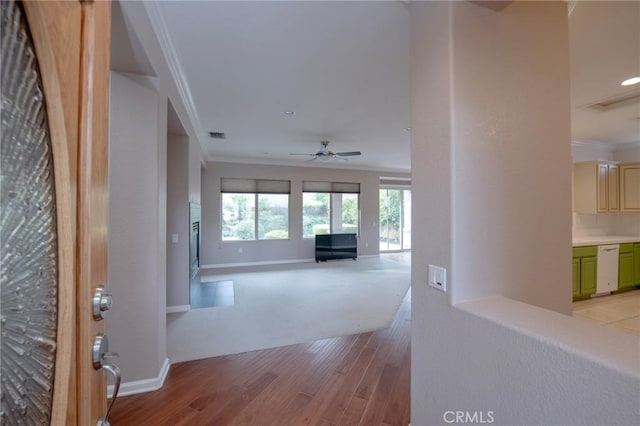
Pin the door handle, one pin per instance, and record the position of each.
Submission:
(101, 361)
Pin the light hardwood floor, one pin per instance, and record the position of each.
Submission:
(362, 379)
(618, 311)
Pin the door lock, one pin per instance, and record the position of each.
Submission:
(101, 303)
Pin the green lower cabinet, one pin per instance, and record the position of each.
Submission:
(576, 276)
(636, 263)
(625, 267)
(588, 268)
(585, 266)
(585, 263)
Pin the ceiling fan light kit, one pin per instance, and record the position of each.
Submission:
(325, 154)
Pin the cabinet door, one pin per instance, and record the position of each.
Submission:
(625, 270)
(614, 188)
(630, 187)
(588, 275)
(603, 188)
(576, 276)
(636, 263)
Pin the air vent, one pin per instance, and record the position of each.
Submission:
(217, 135)
(615, 102)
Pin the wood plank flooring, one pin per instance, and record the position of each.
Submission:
(362, 379)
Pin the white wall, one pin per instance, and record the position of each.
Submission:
(585, 151)
(511, 174)
(491, 175)
(217, 252)
(627, 152)
(178, 220)
(134, 270)
(195, 170)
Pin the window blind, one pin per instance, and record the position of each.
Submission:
(253, 186)
(395, 183)
(339, 187)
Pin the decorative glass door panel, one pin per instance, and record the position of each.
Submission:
(29, 257)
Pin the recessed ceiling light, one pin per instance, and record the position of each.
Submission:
(630, 81)
(408, 129)
(289, 112)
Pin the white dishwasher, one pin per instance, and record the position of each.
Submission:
(607, 270)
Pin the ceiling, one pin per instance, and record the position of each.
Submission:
(604, 38)
(343, 68)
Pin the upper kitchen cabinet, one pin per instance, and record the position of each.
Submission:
(630, 187)
(596, 187)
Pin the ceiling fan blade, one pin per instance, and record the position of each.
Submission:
(348, 154)
(301, 154)
(312, 159)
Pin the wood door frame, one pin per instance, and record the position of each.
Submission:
(93, 154)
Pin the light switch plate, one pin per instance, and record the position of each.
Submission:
(174, 238)
(438, 277)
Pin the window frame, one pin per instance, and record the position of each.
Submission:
(332, 188)
(256, 211)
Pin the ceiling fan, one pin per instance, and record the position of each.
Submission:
(325, 154)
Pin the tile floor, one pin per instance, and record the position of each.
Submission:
(619, 311)
(212, 294)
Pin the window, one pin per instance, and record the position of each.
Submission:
(255, 208)
(330, 208)
(316, 210)
(273, 216)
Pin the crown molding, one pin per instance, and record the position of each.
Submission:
(159, 25)
(605, 146)
(594, 144)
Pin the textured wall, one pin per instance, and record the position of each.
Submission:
(491, 174)
(178, 220)
(133, 268)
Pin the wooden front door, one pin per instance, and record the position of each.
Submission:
(55, 65)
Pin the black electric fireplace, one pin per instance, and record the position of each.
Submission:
(336, 246)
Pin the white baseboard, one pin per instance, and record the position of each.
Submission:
(268, 262)
(141, 386)
(178, 308)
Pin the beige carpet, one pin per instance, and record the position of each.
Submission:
(288, 304)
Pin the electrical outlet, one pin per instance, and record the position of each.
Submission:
(438, 277)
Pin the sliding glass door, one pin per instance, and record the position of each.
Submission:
(395, 219)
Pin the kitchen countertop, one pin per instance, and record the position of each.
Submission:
(604, 239)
